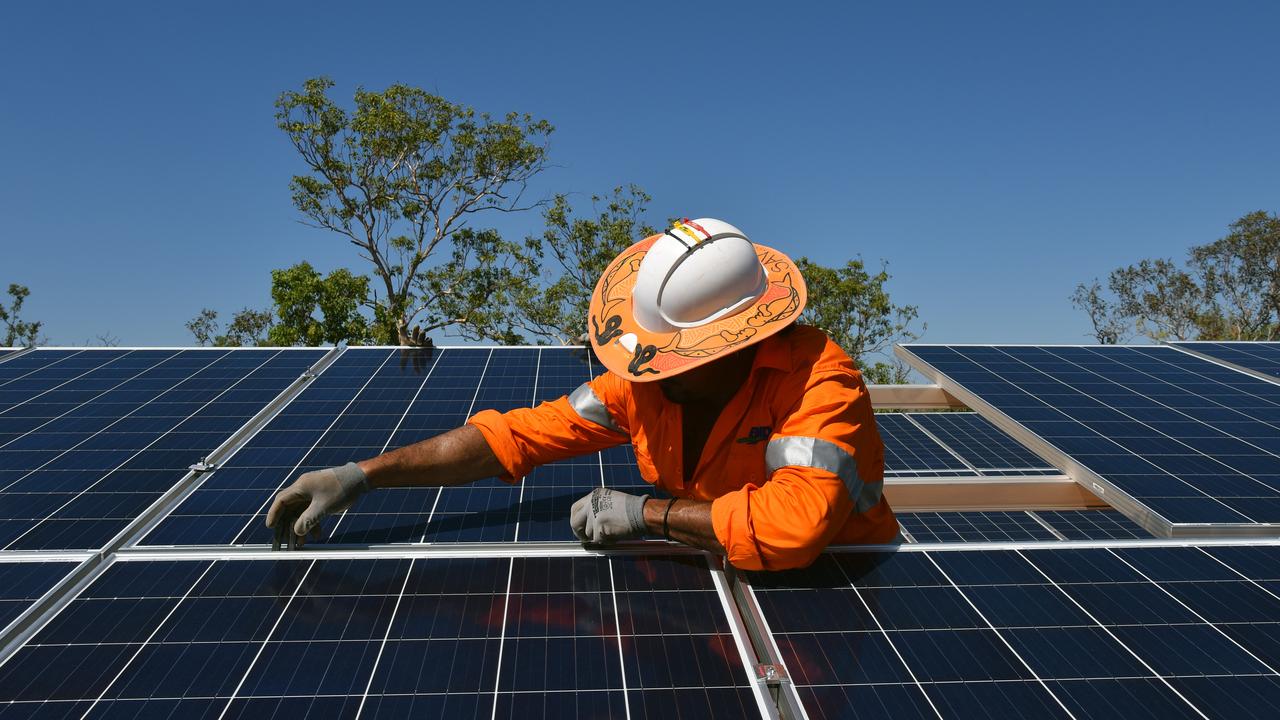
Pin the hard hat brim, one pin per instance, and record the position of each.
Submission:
(636, 354)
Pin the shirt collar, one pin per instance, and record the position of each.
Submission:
(774, 353)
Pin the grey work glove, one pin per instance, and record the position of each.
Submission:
(317, 494)
(607, 516)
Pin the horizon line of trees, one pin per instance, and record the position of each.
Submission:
(1228, 289)
(406, 177)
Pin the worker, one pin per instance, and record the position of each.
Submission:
(761, 430)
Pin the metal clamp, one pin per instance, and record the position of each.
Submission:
(203, 466)
(771, 674)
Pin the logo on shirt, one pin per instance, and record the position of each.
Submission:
(760, 433)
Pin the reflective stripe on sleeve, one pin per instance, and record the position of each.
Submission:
(818, 453)
(584, 401)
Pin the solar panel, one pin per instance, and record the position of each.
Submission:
(984, 446)
(24, 377)
(982, 526)
(90, 439)
(1101, 524)
(910, 452)
(953, 444)
(1179, 443)
(1259, 358)
(371, 400)
(427, 637)
(1065, 632)
(1006, 619)
(23, 582)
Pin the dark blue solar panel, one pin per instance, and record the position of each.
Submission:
(372, 400)
(102, 433)
(31, 376)
(985, 526)
(983, 445)
(1260, 357)
(21, 583)
(952, 445)
(1194, 441)
(1102, 524)
(1154, 632)
(909, 451)
(488, 511)
(529, 637)
(372, 386)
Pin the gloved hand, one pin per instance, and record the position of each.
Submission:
(607, 516)
(317, 494)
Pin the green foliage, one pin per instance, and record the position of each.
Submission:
(314, 310)
(1228, 290)
(1108, 327)
(307, 310)
(247, 328)
(1240, 275)
(1165, 301)
(853, 307)
(16, 330)
(204, 327)
(401, 176)
(477, 287)
(555, 307)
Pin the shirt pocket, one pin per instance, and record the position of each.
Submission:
(747, 450)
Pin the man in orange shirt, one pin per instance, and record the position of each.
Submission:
(760, 429)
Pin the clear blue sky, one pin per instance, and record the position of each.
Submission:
(994, 153)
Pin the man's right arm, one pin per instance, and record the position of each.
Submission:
(491, 444)
(457, 457)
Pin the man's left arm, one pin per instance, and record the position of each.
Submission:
(606, 516)
(687, 521)
(824, 462)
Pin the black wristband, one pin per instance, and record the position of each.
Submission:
(666, 530)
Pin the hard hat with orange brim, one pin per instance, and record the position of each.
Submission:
(687, 296)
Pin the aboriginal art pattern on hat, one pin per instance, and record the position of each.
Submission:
(613, 326)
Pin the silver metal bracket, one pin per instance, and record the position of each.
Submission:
(203, 466)
(771, 674)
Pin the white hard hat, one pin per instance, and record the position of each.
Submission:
(697, 272)
(680, 299)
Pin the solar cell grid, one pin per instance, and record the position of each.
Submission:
(984, 446)
(523, 637)
(953, 444)
(488, 510)
(22, 583)
(1151, 632)
(1194, 442)
(1102, 524)
(372, 400)
(99, 441)
(317, 429)
(985, 526)
(909, 451)
(1260, 357)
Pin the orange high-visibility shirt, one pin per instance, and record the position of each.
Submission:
(793, 463)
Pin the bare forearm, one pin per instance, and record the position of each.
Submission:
(457, 457)
(689, 522)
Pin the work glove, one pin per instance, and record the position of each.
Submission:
(607, 516)
(313, 496)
